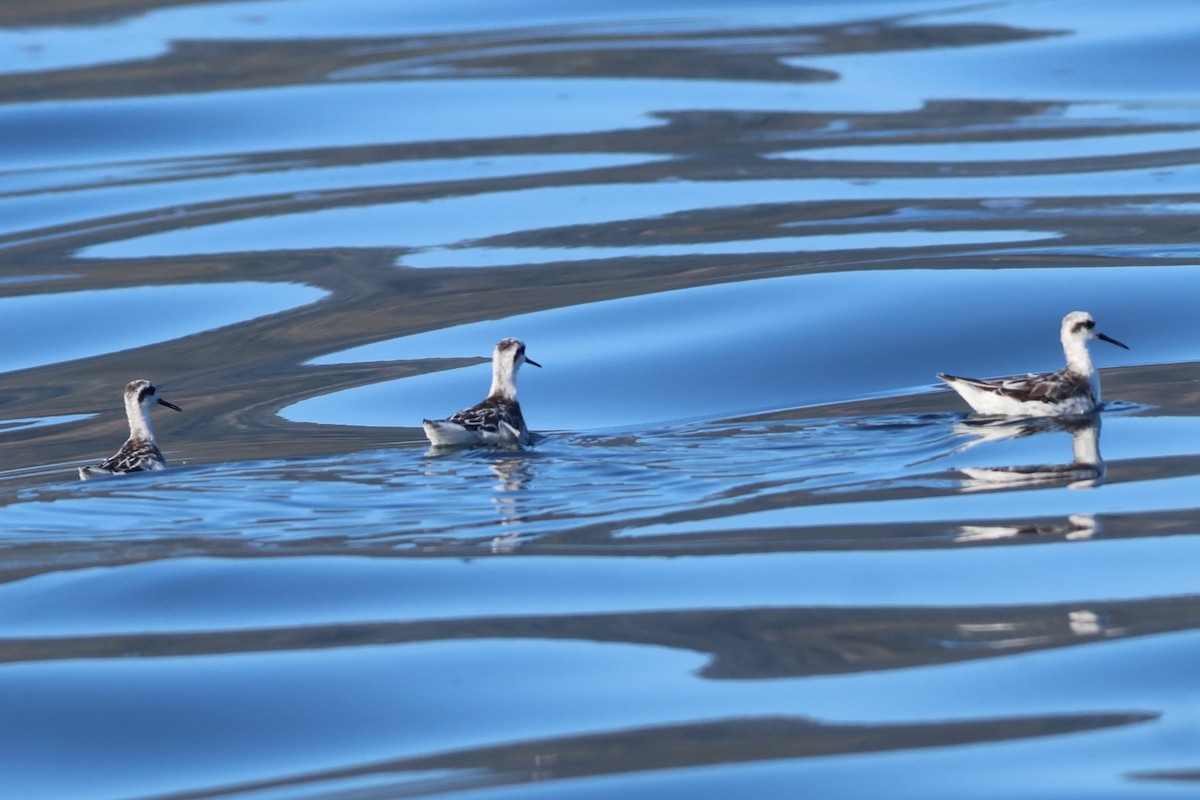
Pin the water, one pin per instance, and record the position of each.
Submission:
(755, 551)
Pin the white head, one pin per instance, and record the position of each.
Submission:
(1078, 328)
(140, 395)
(507, 358)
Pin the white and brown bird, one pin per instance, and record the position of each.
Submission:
(497, 419)
(1074, 389)
(140, 452)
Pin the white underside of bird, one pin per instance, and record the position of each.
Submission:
(1072, 390)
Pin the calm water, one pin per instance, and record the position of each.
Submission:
(755, 551)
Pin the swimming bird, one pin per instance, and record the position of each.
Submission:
(495, 421)
(1074, 389)
(140, 452)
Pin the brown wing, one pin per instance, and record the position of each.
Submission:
(1053, 387)
(488, 415)
(134, 456)
(1046, 387)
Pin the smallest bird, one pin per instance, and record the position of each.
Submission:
(1073, 390)
(140, 452)
(497, 419)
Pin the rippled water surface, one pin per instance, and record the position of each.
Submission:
(755, 550)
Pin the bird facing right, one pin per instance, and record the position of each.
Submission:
(1072, 390)
(140, 452)
(497, 420)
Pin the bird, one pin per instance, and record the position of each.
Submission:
(497, 419)
(1073, 390)
(140, 453)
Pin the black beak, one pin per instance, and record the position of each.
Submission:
(162, 402)
(1111, 340)
(529, 360)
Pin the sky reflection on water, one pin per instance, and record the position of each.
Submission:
(462, 219)
(62, 327)
(754, 547)
(87, 191)
(899, 332)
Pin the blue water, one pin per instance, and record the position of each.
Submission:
(756, 550)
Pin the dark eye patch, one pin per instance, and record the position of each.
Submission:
(146, 392)
(1087, 323)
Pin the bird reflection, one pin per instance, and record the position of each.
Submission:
(1076, 526)
(1045, 630)
(513, 474)
(1085, 622)
(1086, 469)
